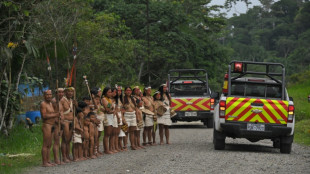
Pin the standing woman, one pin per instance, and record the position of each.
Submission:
(164, 121)
(120, 132)
(137, 96)
(129, 113)
(149, 117)
(109, 118)
(100, 115)
(114, 137)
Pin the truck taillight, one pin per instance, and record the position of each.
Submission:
(290, 117)
(212, 104)
(222, 108)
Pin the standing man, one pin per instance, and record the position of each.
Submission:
(66, 110)
(60, 94)
(49, 115)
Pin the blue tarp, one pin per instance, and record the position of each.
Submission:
(37, 92)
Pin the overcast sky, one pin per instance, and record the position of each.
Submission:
(240, 7)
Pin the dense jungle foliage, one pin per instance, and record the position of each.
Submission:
(129, 42)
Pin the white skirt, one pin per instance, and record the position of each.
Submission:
(121, 133)
(115, 124)
(149, 121)
(165, 119)
(109, 119)
(77, 138)
(130, 118)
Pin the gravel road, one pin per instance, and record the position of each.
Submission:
(192, 151)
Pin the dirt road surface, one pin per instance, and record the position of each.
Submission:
(192, 151)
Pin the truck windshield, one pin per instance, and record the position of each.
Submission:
(188, 89)
(256, 90)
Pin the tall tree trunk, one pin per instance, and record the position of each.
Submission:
(11, 115)
(20, 72)
(2, 114)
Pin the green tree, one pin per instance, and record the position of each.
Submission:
(181, 33)
(15, 47)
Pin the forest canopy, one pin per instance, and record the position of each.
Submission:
(136, 42)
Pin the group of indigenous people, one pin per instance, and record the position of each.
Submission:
(114, 114)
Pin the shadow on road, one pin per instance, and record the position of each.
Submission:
(251, 148)
(185, 126)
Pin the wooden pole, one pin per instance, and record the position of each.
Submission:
(74, 96)
(57, 99)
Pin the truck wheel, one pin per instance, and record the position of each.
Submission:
(285, 148)
(218, 140)
(209, 123)
(286, 144)
(276, 143)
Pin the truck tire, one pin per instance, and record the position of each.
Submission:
(218, 140)
(210, 123)
(286, 144)
(276, 143)
(285, 148)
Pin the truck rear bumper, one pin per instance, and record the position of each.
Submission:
(201, 115)
(239, 130)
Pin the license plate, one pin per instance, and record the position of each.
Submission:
(190, 114)
(255, 127)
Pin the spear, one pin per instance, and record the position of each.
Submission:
(57, 98)
(74, 50)
(88, 89)
(49, 68)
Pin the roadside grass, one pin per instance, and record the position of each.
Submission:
(20, 141)
(300, 93)
(302, 132)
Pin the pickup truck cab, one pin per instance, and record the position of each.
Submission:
(255, 105)
(191, 96)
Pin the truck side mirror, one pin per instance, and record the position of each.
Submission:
(215, 95)
(291, 98)
(308, 98)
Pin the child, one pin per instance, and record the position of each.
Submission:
(87, 100)
(77, 137)
(95, 122)
(92, 134)
(86, 136)
(84, 111)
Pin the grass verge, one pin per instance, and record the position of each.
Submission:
(300, 92)
(21, 140)
(302, 132)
